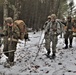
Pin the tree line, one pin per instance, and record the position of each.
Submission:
(33, 12)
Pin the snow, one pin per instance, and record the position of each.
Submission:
(64, 64)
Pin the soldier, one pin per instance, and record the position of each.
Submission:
(12, 34)
(53, 29)
(47, 36)
(68, 32)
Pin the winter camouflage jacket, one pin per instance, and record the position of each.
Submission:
(12, 32)
(53, 28)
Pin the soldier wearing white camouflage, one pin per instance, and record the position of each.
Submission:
(47, 36)
(53, 29)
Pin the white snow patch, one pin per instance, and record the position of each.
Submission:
(64, 64)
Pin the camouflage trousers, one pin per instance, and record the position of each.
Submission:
(9, 50)
(53, 39)
(47, 41)
(68, 35)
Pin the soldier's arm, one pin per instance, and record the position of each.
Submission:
(59, 29)
(47, 28)
(45, 24)
(26, 33)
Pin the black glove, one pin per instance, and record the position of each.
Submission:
(48, 30)
(26, 36)
(46, 33)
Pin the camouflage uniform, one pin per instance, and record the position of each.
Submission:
(10, 40)
(68, 33)
(53, 29)
(47, 35)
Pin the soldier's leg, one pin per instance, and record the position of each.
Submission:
(5, 49)
(61, 35)
(54, 43)
(11, 54)
(66, 41)
(70, 39)
(48, 52)
(47, 44)
(70, 43)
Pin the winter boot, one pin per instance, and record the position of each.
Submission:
(66, 47)
(53, 56)
(70, 46)
(11, 63)
(66, 42)
(6, 64)
(48, 53)
(70, 43)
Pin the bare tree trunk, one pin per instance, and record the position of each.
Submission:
(5, 8)
(52, 6)
(57, 4)
(17, 9)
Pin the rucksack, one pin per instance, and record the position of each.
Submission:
(22, 27)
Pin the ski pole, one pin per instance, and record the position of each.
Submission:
(41, 40)
(39, 46)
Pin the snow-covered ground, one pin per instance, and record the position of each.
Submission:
(64, 64)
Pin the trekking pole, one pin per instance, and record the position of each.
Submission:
(39, 46)
(43, 32)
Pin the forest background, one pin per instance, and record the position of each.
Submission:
(35, 12)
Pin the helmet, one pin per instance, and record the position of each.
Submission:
(53, 16)
(49, 17)
(8, 20)
(69, 17)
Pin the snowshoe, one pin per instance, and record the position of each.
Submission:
(11, 63)
(70, 46)
(66, 47)
(6, 65)
(53, 56)
(48, 56)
